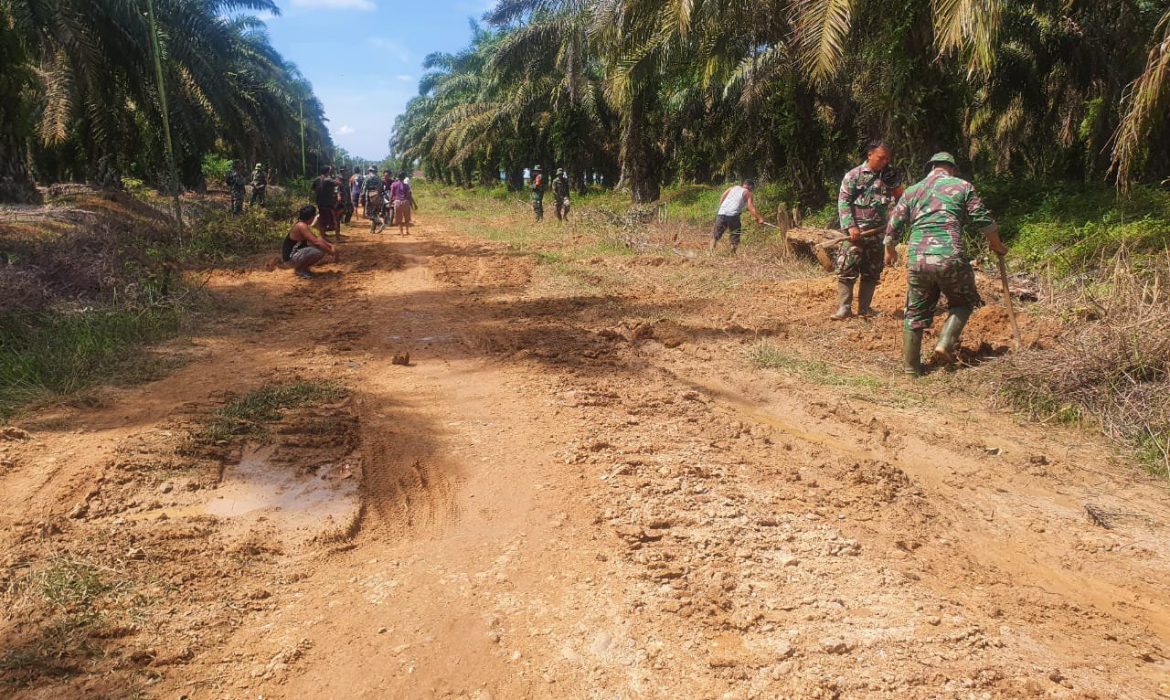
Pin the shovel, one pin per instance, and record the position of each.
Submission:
(1007, 295)
(821, 250)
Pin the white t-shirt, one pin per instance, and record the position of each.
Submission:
(734, 202)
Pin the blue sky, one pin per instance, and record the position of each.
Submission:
(364, 57)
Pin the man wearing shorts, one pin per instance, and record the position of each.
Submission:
(731, 205)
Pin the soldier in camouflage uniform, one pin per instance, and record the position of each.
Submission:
(259, 185)
(935, 211)
(868, 193)
(560, 188)
(537, 193)
(237, 184)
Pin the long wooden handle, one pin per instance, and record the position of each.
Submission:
(1007, 295)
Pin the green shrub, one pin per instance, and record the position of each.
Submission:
(216, 167)
(220, 236)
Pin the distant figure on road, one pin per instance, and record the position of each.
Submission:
(375, 190)
(404, 204)
(259, 185)
(868, 193)
(325, 191)
(237, 184)
(935, 211)
(302, 249)
(345, 195)
(537, 193)
(731, 205)
(560, 189)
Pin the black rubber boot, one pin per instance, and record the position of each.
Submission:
(844, 300)
(912, 352)
(948, 339)
(865, 298)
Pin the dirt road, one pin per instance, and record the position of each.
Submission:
(571, 490)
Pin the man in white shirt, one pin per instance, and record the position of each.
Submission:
(734, 199)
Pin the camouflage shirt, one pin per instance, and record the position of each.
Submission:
(866, 198)
(259, 178)
(936, 210)
(561, 187)
(235, 181)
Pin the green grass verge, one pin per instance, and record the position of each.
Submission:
(767, 355)
(47, 355)
(249, 415)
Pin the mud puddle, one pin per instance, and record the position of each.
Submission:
(290, 498)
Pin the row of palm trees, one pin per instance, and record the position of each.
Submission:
(80, 100)
(648, 91)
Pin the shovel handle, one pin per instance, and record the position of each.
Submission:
(1007, 295)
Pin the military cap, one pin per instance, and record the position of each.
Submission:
(942, 157)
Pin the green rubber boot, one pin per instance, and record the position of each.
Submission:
(844, 300)
(912, 352)
(865, 298)
(948, 340)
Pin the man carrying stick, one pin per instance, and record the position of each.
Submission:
(734, 200)
(867, 194)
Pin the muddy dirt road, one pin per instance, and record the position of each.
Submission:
(571, 491)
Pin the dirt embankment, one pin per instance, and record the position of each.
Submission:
(577, 487)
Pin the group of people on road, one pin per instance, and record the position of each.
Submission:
(560, 191)
(380, 199)
(237, 183)
(877, 212)
(338, 198)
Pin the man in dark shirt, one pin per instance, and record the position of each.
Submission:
(325, 188)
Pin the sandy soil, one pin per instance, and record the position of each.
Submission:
(571, 491)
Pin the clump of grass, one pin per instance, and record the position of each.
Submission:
(75, 592)
(250, 414)
(766, 355)
(220, 236)
(48, 354)
(1110, 369)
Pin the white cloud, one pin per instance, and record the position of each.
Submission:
(404, 78)
(363, 5)
(345, 130)
(391, 47)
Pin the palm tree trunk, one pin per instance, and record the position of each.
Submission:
(641, 157)
(16, 184)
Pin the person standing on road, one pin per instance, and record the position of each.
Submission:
(404, 204)
(346, 195)
(731, 205)
(375, 190)
(356, 185)
(868, 193)
(325, 191)
(259, 185)
(935, 211)
(537, 193)
(237, 185)
(560, 189)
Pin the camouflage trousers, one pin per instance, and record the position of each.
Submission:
(863, 259)
(237, 202)
(538, 205)
(932, 276)
(562, 207)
